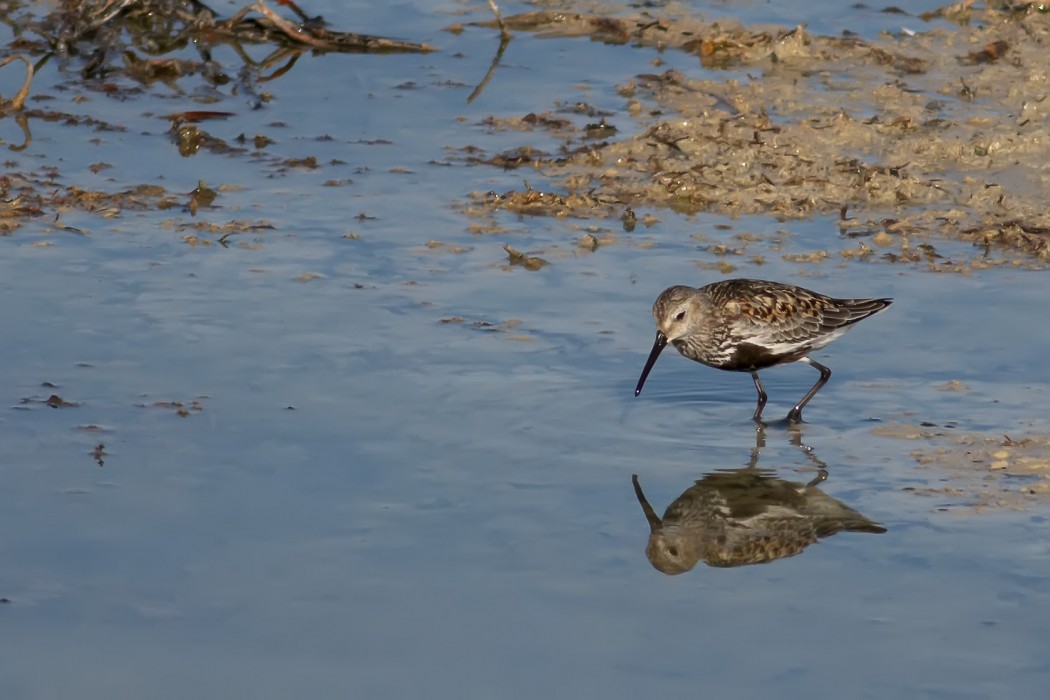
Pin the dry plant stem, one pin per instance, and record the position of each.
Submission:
(112, 10)
(499, 20)
(295, 8)
(19, 99)
(297, 33)
(504, 40)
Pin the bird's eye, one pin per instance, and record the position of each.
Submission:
(680, 316)
(673, 551)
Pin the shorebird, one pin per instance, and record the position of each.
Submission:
(744, 516)
(746, 325)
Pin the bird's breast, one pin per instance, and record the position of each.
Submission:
(699, 351)
(733, 356)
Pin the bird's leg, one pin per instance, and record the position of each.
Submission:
(795, 414)
(761, 398)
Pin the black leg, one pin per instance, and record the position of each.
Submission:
(761, 398)
(795, 414)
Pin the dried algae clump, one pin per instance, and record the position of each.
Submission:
(529, 262)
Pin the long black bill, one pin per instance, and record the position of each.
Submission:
(660, 344)
(650, 514)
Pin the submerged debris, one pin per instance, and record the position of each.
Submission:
(78, 28)
(988, 470)
(181, 408)
(527, 261)
(120, 48)
(56, 401)
(510, 328)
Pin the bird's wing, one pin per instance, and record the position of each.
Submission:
(777, 320)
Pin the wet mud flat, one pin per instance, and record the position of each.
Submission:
(911, 139)
(938, 132)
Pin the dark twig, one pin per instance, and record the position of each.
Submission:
(503, 41)
(294, 32)
(27, 136)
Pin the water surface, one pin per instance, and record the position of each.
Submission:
(410, 470)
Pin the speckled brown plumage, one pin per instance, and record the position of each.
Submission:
(744, 516)
(745, 325)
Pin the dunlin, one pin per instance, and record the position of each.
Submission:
(744, 516)
(747, 325)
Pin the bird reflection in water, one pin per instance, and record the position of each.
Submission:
(737, 517)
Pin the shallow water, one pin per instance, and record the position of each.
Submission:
(372, 502)
(825, 16)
